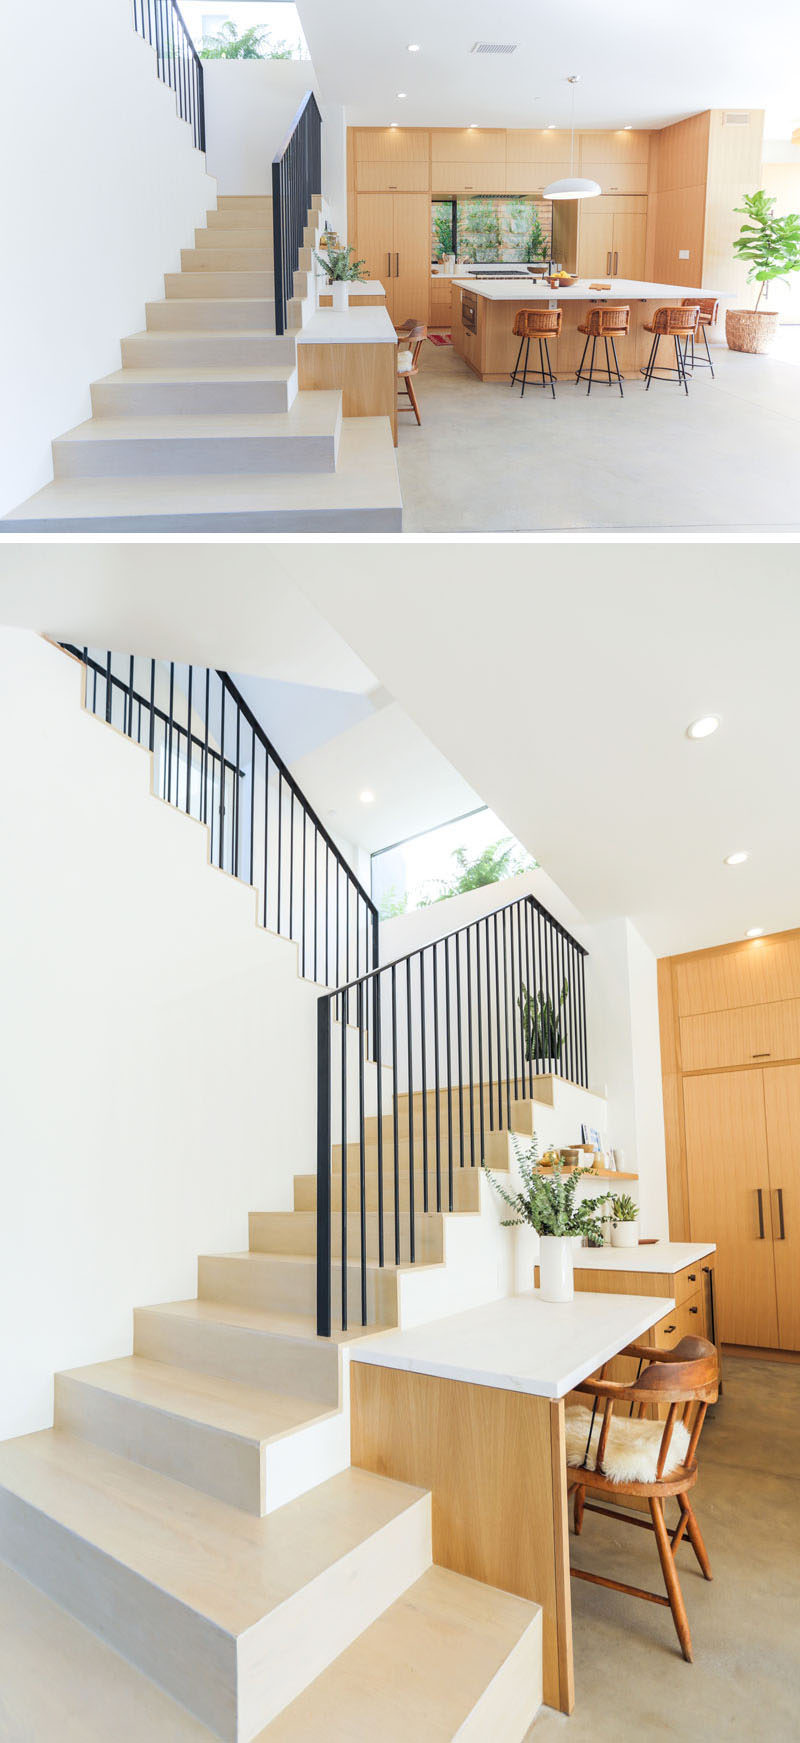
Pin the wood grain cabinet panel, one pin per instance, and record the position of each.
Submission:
(746, 1037)
(468, 178)
(782, 1105)
(414, 177)
(392, 144)
(468, 145)
(729, 1198)
(758, 972)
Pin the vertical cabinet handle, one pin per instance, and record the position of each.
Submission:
(781, 1224)
(608, 264)
(708, 1272)
(616, 263)
(760, 1197)
(397, 266)
(388, 266)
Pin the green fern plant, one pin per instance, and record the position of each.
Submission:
(548, 1205)
(542, 1022)
(338, 265)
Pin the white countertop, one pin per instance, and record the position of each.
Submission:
(520, 1344)
(665, 1256)
(356, 326)
(622, 290)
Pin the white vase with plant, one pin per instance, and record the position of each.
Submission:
(549, 1205)
(341, 271)
(625, 1224)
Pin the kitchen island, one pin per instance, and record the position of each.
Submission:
(483, 310)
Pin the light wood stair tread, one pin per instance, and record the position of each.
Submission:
(135, 373)
(312, 414)
(246, 1411)
(417, 1671)
(272, 1323)
(227, 1565)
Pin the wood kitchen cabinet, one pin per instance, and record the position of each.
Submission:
(611, 238)
(394, 240)
(468, 160)
(618, 161)
(743, 1170)
(394, 159)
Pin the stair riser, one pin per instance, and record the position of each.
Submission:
(190, 286)
(466, 1193)
(510, 1703)
(206, 351)
(221, 1464)
(233, 1688)
(246, 205)
(182, 314)
(233, 1352)
(290, 1286)
(174, 456)
(239, 222)
(291, 1233)
(150, 399)
(245, 259)
(227, 237)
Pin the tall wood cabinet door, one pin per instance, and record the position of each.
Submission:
(595, 243)
(376, 239)
(411, 260)
(782, 1103)
(630, 230)
(727, 1168)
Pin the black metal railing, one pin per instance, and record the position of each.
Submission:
(418, 1062)
(296, 181)
(213, 760)
(161, 24)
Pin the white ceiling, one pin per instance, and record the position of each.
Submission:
(636, 64)
(560, 682)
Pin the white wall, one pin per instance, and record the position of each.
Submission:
(102, 188)
(626, 1059)
(250, 106)
(157, 1048)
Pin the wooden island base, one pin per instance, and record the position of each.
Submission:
(491, 351)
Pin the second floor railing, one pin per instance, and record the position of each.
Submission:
(296, 180)
(213, 760)
(161, 24)
(419, 1060)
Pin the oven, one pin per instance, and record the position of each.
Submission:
(469, 311)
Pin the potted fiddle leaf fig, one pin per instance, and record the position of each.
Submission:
(625, 1223)
(341, 271)
(771, 247)
(548, 1204)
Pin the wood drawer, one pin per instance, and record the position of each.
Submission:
(756, 1035)
(688, 1282)
(687, 1319)
(404, 178)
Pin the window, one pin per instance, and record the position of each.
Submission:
(245, 29)
(463, 854)
(492, 227)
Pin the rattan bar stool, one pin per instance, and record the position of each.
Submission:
(708, 317)
(675, 324)
(604, 321)
(541, 324)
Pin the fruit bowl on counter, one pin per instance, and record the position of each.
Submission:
(560, 280)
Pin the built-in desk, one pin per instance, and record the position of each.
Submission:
(355, 351)
(472, 1408)
(682, 1269)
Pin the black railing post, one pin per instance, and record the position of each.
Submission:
(324, 1031)
(296, 179)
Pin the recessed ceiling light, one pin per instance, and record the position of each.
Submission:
(472, 125)
(736, 858)
(628, 128)
(402, 95)
(392, 123)
(367, 797)
(550, 126)
(413, 48)
(755, 932)
(703, 727)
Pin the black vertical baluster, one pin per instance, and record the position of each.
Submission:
(266, 829)
(109, 691)
(252, 798)
(362, 1154)
(152, 734)
(303, 922)
(469, 1051)
(526, 1028)
(506, 1024)
(222, 779)
(498, 1026)
(457, 953)
(343, 1207)
(280, 843)
(205, 753)
(436, 1076)
(585, 1076)
(327, 914)
(517, 997)
(410, 1060)
(571, 1009)
(539, 987)
(291, 863)
(130, 698)
(395, 1115)
(337, 974)
(188, 805)
(424, 1077)
(171, 727)
(489, 1055)
(316, 900)
(324, 1026)
(236, 785)
(379, 1099)
(562, 1032)
(479, 1003)
(449, 1073)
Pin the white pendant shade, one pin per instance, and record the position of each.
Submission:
(572, 188)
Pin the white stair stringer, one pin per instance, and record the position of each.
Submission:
(203, 428)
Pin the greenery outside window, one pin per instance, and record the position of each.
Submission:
(245, 29)
(492, 228)
(463, 854)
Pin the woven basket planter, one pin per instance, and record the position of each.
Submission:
(746, 330)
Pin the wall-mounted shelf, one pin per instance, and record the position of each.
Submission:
(596, 1173)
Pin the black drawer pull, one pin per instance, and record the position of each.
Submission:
(694, 1310)
(668, 1328)
(761, 1056)
(692, 1278)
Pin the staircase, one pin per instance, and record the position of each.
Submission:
(203, 428)
(193, 1510)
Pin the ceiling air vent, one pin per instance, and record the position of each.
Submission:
(736, 118)
(493, 48)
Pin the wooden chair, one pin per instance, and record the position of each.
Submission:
(708, 317)
(411, 337)
(603, 1451)
(676, 324)
(541, 324)
(604, 321)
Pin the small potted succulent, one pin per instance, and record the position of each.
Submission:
(549, 1206)
(625, 1223)
(341, 271)
(771, 247)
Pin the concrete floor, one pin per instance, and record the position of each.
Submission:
(59, 1684)
(725, 460)
(630, 1679)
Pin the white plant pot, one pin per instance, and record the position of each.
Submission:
(340, 291)
(625, 1235)
(555, 1268)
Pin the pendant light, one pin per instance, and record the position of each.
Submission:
(572, 187)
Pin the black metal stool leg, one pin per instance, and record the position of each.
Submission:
(616, 366)
(525, 366)
(651, 361)
(550, 375)
(682, 376)
(591, 367)
(708, 353)
(579, 370)
(516, 365)
(608, 365)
